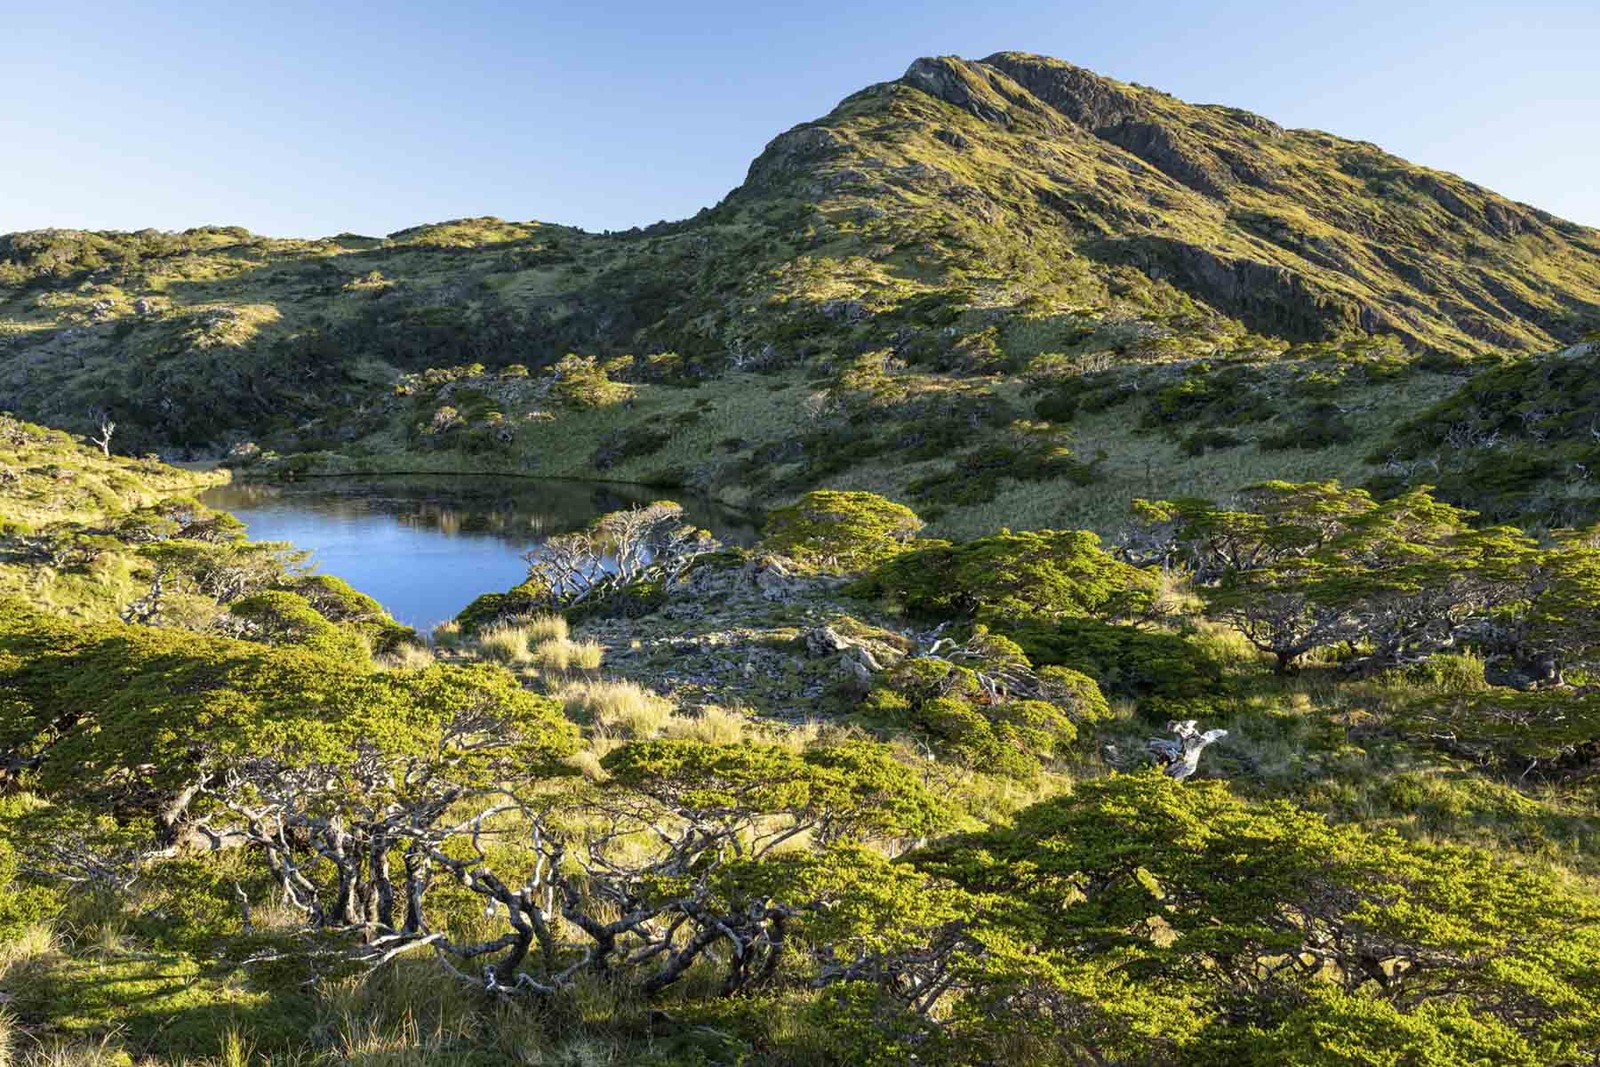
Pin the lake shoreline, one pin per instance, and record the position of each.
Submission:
(296, 471)
(425, 545)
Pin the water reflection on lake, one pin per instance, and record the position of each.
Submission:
(424, 546)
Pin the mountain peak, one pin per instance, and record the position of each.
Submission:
(966, 216)
(1295, 232)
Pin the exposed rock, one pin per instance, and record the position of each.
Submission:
(1267, 297)
(773, 580)
(857, 665)
(793, 152)
(825, 641)
(951, 81)
(1081, 95)
(857, 672)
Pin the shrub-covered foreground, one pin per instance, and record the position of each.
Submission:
(245, 817)
(425, 818)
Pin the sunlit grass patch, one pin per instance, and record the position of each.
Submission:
(617, 709)
(505, 644)
(541, 628)
(586, 655)
(710, 723)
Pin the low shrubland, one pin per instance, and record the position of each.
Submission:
(246, 817)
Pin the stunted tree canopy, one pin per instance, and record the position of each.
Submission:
(1037, 574)
(1298, 567)
(1182, 917)
(840, 532)
(637, 546)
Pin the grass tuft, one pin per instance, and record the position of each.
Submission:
(504, 644)
(618, 709)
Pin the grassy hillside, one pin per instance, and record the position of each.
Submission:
(48, 476)
(969, 236)
(1516, 443)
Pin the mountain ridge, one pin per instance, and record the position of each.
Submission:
(977, 227)
(1272, 248)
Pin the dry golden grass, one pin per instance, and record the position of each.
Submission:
(587, 655)
(586, 761)
(559, 654)
(618, 709)
(541, 628)
(504, 644)
(553, 655)
(407, 658)
(712, 724)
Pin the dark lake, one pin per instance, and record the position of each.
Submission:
(425, 546)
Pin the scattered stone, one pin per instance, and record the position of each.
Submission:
(825, 641)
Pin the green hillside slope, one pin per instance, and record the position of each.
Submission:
(935, 254)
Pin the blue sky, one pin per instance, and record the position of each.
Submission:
(297, 118)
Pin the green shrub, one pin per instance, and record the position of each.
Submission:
(619, 446)
(1075, 690)
(1320, 425)
(21, 905)
(840, 532)
(1209, 440)
(1037, 575)
(950, 707)
(964, 733)
(337, 601)
(282, 618)
(1028, 452)
(585, 382)
(1448, 673)
(1232, 396)
(1083, 879)
(1163, 670)
(530, 598)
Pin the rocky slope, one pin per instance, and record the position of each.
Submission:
(1297, 234)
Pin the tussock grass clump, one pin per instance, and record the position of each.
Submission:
(238, 1050)
(1446, 674)
(712, 724)
(407, 658)
(561, 654)
(587, 655)
(504, 644)
(1226, 645)
(20, 1048)
(31, 944)
(587, 763)
(540, 628)
(553, 655)
(401, 1016)
(624, 709)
